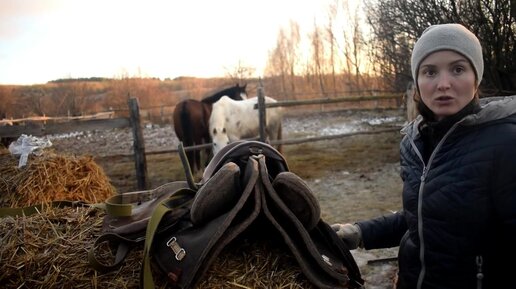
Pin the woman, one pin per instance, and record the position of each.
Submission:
(457, 228)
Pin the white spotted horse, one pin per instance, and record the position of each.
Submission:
(235, 120)
(191, 119)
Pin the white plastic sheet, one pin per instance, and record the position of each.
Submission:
(26, 145)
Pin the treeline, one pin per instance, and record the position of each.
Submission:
(377, 37)
(77, 97)
(80, 79)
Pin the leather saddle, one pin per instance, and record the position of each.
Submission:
(247, 186)
(249, 182)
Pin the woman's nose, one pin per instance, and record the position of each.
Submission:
(444, 81)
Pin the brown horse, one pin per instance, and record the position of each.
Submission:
(191, 121)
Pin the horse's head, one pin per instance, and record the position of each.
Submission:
(238, 92)
(219, 138)
(218, 122)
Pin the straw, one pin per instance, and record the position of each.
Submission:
(49, 250)
(52, 177)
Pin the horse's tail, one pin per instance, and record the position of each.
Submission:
(187, 140)
(185, 125)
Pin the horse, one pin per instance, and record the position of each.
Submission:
(234, 120)
(191, 119)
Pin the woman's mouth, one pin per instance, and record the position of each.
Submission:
(444, 98)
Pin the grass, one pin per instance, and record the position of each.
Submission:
(308, 160)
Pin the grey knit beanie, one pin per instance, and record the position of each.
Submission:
(448, 37)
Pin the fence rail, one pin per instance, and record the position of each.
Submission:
(45, 119)
(286, 103)
(41, 126)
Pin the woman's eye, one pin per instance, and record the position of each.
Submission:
(430, 72)
(458, 69)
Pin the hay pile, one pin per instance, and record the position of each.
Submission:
(52, 177)
(49, 250)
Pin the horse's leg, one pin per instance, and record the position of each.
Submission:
(201, 119)
(186, 127)
(197, 140)
(197, 157)
(206, 113)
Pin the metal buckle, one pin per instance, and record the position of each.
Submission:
(179, 253)
(327, 260)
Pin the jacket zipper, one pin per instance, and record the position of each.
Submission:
(480, 275)
(426, 168)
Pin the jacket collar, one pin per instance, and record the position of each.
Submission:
(491, 108)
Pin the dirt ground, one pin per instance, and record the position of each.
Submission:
(354, 178)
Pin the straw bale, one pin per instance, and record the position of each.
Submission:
(52, 177)
(49, 250)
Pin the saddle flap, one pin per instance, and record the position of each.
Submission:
(318, 259)
(200, 243)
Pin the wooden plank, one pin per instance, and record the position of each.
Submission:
(140, 162)
(262, 117)
(285, 103)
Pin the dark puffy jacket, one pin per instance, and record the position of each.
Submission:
(457, 228)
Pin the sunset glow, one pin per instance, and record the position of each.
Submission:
(52, 39)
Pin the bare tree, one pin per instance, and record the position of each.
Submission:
(318, 57)
(396, 24)
(240, 72)
(283, 59)
(277, 66)
(332, 14)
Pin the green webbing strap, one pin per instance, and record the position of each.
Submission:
(175, 201)
(27, 211)
(186, 166)
(122, 205)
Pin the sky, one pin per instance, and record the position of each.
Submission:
(43, 40)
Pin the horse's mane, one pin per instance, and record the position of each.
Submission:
(232, 92)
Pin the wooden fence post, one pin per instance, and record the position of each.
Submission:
(140, 161)
(261, 112)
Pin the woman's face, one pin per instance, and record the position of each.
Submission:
(447, 83)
